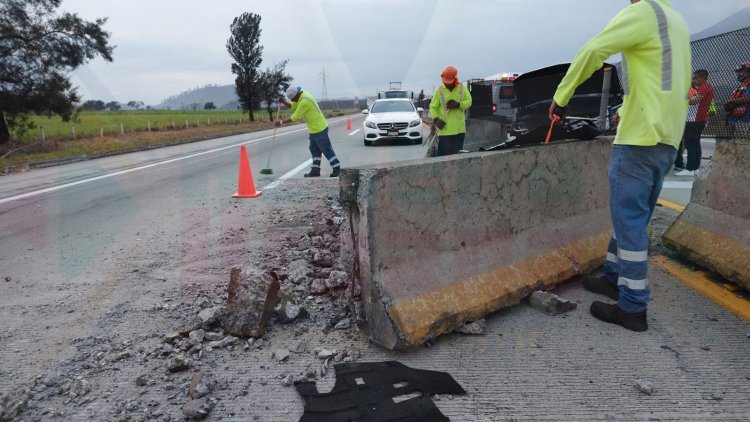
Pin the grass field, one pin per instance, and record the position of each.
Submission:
(103, 123)
(99, 132)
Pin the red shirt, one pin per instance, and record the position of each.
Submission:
(707, 91)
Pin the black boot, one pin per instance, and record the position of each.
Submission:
(313, 173)
(336, 171)
(599, 284)
(614, 315)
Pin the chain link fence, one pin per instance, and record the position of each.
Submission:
(720, 55)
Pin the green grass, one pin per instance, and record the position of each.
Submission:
(103, 123)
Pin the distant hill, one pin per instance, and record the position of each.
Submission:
(739, 20)
(223, 97)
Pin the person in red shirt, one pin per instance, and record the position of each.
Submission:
(700, 102)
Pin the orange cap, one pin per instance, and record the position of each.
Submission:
(449, 75)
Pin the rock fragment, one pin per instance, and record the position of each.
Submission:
(179, 363)
(478, 327)
(251, 298)
(197, 409)
(644, 386)
(550, 303)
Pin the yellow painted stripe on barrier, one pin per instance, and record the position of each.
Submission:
(671, 205)
(700, 282)
(433, 313)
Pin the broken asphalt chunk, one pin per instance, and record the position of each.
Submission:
(377, 392)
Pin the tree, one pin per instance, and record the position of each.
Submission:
(136, 104)
(113, 105)
(209, 106)
(245, 49)
(93, 105)
(194, 106)
(39, 47)
(274, 81)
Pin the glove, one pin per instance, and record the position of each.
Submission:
(560, 112)
(452, 104)
(439, 123)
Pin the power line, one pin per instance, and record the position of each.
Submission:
(324, 91)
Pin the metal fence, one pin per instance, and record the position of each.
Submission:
(720, 55)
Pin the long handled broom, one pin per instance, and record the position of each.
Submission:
(268, 169)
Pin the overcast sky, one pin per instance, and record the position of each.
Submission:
(165, 47)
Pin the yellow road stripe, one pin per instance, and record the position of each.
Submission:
(670, 205)
(700, 282)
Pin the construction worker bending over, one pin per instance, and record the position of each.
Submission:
(306, 108)
(655, 43)
(448, 110)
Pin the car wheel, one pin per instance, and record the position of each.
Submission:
(368, 143)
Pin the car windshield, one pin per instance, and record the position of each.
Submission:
(392, 107)
(396, 94)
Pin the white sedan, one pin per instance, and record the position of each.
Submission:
(393, 119)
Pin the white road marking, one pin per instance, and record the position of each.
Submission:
(288, 175)
(147, 166)
(674, 184)
(354, 132)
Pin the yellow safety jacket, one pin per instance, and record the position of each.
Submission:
(655, 43)
(307, 109)
(455, 119)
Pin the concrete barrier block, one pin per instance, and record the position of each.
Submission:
(442, 241)
(714, 229)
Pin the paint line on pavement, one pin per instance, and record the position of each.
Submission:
(288, 175)
(671, 205)
(354, 132)
(147, 166)
(675, 184)
(700, 281)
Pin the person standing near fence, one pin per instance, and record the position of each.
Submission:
(448, 111)
(306, 108)
(738, 105)
(700, 101)
(655, 43)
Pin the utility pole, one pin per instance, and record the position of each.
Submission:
(324, 93)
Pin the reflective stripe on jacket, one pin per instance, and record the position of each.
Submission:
(307, 109)
(655, 43)
(455, 119)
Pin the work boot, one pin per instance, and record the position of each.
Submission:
(336, 172)
(612, 314)
(599, 284)
(313, 174)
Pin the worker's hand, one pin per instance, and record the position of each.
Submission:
(283, 100)
(556, 112)
(615, 120)
(451, 104)
(439, 123)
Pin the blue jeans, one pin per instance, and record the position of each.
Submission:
(450, 144)
(636, 175)
(320, 143)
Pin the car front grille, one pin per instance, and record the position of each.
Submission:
(392, 126)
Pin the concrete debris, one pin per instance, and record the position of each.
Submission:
(141, 380)
(318, 287)
(289, 310)
(251, 298)
(550, 303)
(197, 408)
(280, 355)
(198, 388)
(226, 341)
(179, 363)
(191, 325)
(299, 347)
(344, 324)
(478, 327)
(197, 336)
(287, 381)
(214, 335)
(297, 271)
(209, 315)
(325, 353)
(337, 279)
(173, 336)
(645, 387)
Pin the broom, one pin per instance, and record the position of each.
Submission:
(268, 169)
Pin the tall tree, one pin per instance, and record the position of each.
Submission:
(274, 81)
(244, 47)
(39, 47)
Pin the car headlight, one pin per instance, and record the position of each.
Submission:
(415, 123)
(370, 124)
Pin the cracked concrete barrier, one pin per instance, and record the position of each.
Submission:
(442, 241)
(714, 229)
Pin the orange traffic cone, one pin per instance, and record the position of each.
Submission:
(246, 188)
(348, 124)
